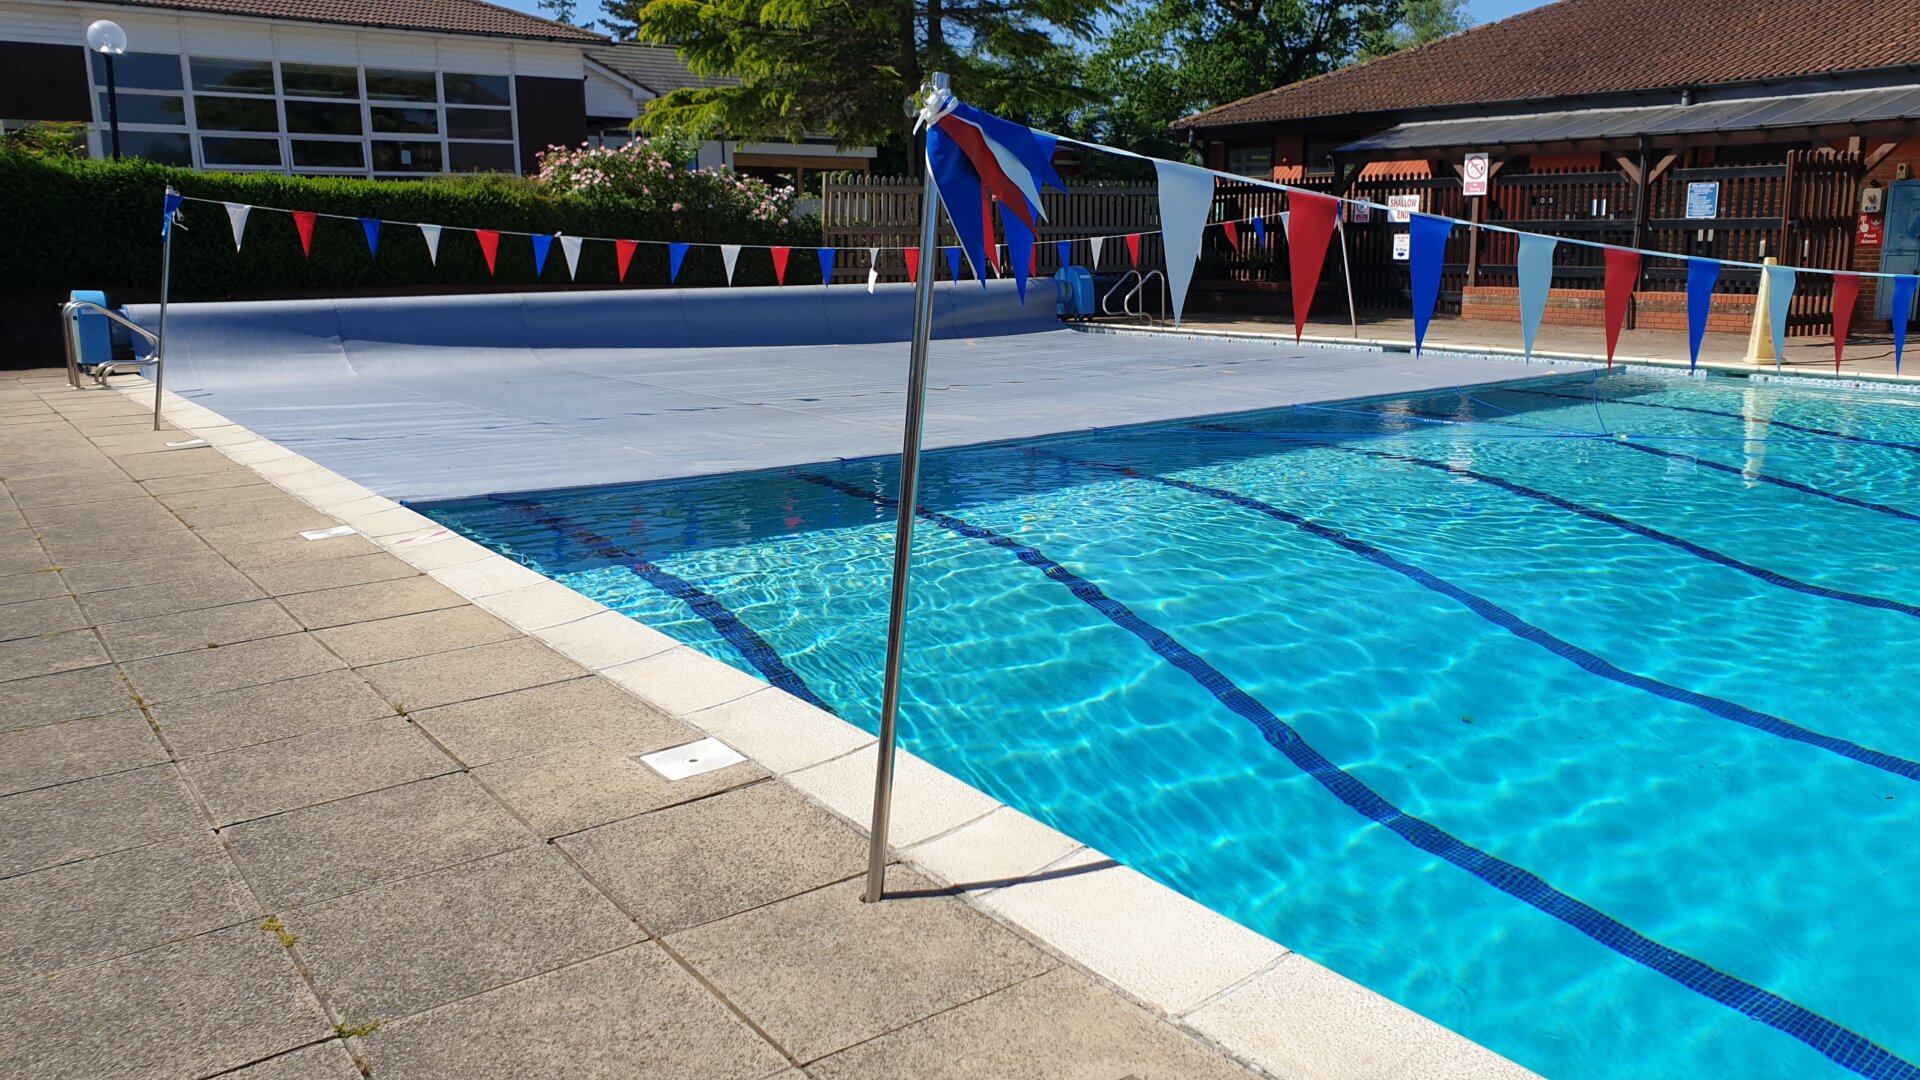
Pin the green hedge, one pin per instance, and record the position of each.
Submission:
(94, 224)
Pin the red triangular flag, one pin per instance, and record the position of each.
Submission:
(1133, 248)
(489, 245)
(623, 253)
(1312, 216)
(1233, 234)
(780, 264)
(1846, 292)
(1033, 261)
(913, 263)
(303, 221)
(1623, 272)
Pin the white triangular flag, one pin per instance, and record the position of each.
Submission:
(570, 247)
(1097, 242)
(431, 234)
(873, 268)
(1286, 225)
(729, 254)
(237, 216)
(1186, 199)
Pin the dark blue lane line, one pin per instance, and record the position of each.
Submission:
(764, 657)
(1698, 551)
(1840, 1045)
(1829, 433)
(1792, 485)
(1526, 631)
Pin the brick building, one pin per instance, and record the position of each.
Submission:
(1731, 129)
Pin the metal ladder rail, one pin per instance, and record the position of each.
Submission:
(1138, 289)
(70, 323)
(1106, 301)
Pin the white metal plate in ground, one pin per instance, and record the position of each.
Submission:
(691, 759)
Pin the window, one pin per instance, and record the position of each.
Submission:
(233, 76)
(1250, 161)
(240, 113)
(1317, 154)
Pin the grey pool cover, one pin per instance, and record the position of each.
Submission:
(425, 398)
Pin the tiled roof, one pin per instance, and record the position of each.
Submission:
(443, 16)
(1580, 47)
(656, 67)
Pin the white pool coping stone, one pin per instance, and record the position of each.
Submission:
(1247, 996)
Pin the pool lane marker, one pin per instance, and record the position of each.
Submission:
(1752, 474)
(1698, 551)
(1912, 448)
(751, 646)
(1840, 1045)
(1526, 631)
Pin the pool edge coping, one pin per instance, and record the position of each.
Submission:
(1242, 994)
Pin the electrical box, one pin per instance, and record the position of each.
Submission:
(1900, 248)
(1870, 198)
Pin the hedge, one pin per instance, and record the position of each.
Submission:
(75, 223)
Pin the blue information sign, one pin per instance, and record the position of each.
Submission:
(1703, 199)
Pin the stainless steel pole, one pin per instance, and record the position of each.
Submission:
(903, 532)
(160, 344)
(1346, 267)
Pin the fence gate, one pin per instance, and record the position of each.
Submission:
(1823, 189)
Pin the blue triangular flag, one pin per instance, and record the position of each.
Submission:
(959, 188)
(1903, 289)
(953, 262)
(1702, 276)
(1534, 267)
(541, 243)
(1019, 250)
(371, 226)
(1260, 231)
(1779, 303)
(676, 254)
(1066, 252)
(826, 264)
(1426, 249)
(168, 207)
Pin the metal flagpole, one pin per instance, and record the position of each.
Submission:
(903, 528)
(1346, 267)
(160, 335)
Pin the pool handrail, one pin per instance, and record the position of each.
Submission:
(70, 313)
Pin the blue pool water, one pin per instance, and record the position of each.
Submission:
(1576, 715)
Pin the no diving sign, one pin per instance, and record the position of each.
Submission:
(1473, 179)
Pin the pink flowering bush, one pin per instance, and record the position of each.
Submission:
(644, 175)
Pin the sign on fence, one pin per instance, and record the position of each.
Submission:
(1703, 199)
(1473, 181)
(1402, 246)
(1401, 208)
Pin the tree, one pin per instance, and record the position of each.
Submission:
(562, 10)
(845, 67)
(1421, 21)
(1165, 59)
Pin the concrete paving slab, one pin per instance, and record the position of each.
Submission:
(133, 511)
(332, 574)
(684, 680)
(211, 671)
(268, 528)
(296, 551)
(323, 851)
(131, 573)
(537, 607)
(49, 754)
(1306, 1020)
(583, 784)
(274, 777)
(206, 481)
(322, 1061)
(692, 864)
(404, 637)
(87, 818)
(633, 1013)
(205, 589)
(926, 801)
(233, 991)
(208, 518)
(1059, 1025)
(257, 714)
(81, 913)
(223, 496)
(607, 639)
(33, 585)
(203, 628)
(779, 730)
(365, 603)
(24, 558)
(822, 971)
(1000, 848)
(407, 946)
(24, 658)
(168, 463)
(66, 695)
(481, 671)
(32, 618)
(528, 721)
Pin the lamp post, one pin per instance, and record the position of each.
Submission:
(106, 38)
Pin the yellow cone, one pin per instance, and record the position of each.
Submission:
(1760, 346)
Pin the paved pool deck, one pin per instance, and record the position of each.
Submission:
(274, 808)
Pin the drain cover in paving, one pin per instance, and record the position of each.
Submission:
(690, 759)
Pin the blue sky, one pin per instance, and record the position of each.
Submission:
(1482, 10)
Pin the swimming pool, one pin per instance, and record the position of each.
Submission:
(1570, 714)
